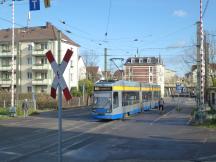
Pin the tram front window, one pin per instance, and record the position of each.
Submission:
(102, 102)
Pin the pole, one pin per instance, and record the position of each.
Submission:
(17, 74)
(198, 66)
(206, 49)
(59, 103)
(105, 62)
(83, 88)
(12, 68)
(202, 58)
(202, 67)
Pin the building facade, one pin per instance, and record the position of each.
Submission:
(94, 73)
(81, 68)
(145, 70)
(33, 72)
(170, 79)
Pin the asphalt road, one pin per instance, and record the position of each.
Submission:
(149, 136)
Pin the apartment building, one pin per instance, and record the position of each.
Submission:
(145, 70)
(32, 69)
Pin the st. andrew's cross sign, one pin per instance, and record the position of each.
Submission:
(59, 70)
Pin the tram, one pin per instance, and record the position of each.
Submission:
(118, 99)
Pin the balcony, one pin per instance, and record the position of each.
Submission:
(7, 53)
(39, 52)
(4, 82)
(6, 67)
(41, 67)
(41, 82)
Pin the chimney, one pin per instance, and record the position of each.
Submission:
(48, 24)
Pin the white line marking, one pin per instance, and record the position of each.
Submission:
(160, 117)
(10, 153)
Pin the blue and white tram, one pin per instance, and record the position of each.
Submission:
(117, 99)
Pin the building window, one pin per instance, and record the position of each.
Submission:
(43, 89)
(150, 69)
(41, 46)
(148, 60)
(6, 76)
(29, 47)
(29, 61)
(150, 79)
(29, 75)
(132, 60)
(5, 48)
(140, 60)
(6, 62)
(29, 89)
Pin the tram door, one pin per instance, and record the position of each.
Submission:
(116, 102)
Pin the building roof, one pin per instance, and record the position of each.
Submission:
(118, 74)
(108, 73)
(39, 33)
(140, 61)
(92, 69)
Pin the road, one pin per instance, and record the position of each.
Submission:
(149, 136)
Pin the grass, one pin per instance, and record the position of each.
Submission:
(4, 111)
(211, 123)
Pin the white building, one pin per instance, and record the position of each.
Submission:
(32, 69)
(81, 68)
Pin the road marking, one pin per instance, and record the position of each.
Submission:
(161, 117)
(207, 157)
(10, 153)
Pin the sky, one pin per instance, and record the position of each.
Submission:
(150, 27)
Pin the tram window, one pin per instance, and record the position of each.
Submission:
(147, 96)
(115, 100)
(130, 98)
(156, 94)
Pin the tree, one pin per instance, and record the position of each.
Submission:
(88, 86)
(75, 92)
(89, 57)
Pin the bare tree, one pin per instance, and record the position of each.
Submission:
(89, 57)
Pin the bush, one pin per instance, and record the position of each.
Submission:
(45, 101)
(75, 92)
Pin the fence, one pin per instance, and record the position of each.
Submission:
(43, 101)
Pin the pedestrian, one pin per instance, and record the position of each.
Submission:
(25, 107)
(161, 104)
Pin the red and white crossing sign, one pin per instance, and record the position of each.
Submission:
(59, 70)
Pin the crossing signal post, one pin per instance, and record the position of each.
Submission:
(47, 3)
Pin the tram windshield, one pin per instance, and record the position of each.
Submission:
(102, 101)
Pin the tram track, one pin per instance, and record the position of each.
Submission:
(64, 142)
(51, 134)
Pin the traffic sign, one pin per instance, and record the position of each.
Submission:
(34, 5)
(59, 70)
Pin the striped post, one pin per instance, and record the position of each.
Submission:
(202, 59)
